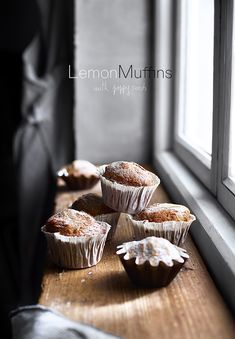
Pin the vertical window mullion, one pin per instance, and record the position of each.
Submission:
(225, 197)
(216, 97)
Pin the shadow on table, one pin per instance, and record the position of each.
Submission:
(120, 287)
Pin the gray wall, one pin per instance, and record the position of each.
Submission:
(112, 127)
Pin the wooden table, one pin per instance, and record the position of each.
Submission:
(103, 296)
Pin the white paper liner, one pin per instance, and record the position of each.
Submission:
(174, 231)
(73, 251)
(126, 220)
(112, 220)
(129, 199)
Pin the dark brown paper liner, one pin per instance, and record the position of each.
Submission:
(146, 275)
(81, 182)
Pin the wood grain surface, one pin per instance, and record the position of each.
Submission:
(103, 296)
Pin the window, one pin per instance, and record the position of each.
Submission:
(226, 180)
(231, 168)
(194, 74)
(194, 124)
(204, 138)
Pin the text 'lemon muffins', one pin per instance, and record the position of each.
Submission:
(75, 239)
(152, 262)
(127, 186)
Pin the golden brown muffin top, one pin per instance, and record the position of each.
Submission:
(92, 204)
(73, 223)
(128, 173)
(164, 212)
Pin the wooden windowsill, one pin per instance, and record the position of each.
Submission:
(103, 296)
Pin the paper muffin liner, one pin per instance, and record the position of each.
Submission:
(146, 275)
(174, 231)
(75, 252)
(112, 220)
(123, 198)
(81, 182)
(151, 262)
(126, 220)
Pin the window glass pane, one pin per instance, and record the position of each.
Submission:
(231, 171)
(232, 143)
(196, 103)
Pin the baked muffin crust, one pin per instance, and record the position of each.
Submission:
(164, 212)
(92, 204)
(69, 222)
(128, 173)
(81, 167)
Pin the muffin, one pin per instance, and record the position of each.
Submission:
(93, 204)
(152, 262)
(79, 175)
(126, 186)
(75, 239)
(169, 221)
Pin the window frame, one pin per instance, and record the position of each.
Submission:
(196, 161)
(213, 174)
(215, 243)
(225, 188)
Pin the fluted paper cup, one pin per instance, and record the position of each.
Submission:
(81, 182)
(126, 199)
(112, 220)
(174, 231)
(75, 252)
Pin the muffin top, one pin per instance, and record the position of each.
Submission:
(92, 204)
(164, 212)
(79, 168)
(73, 223)
(154, 250)
(128, 173)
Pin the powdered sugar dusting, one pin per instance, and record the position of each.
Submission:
(73, 223)
(84, 167)
(129, 173)
(164, 212)
(72, 218)
(154, 250)
(124, 168)
(171, 207)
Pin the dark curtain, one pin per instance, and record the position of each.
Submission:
(36, 49)
(44, 141)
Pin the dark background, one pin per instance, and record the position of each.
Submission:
(18, 24)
